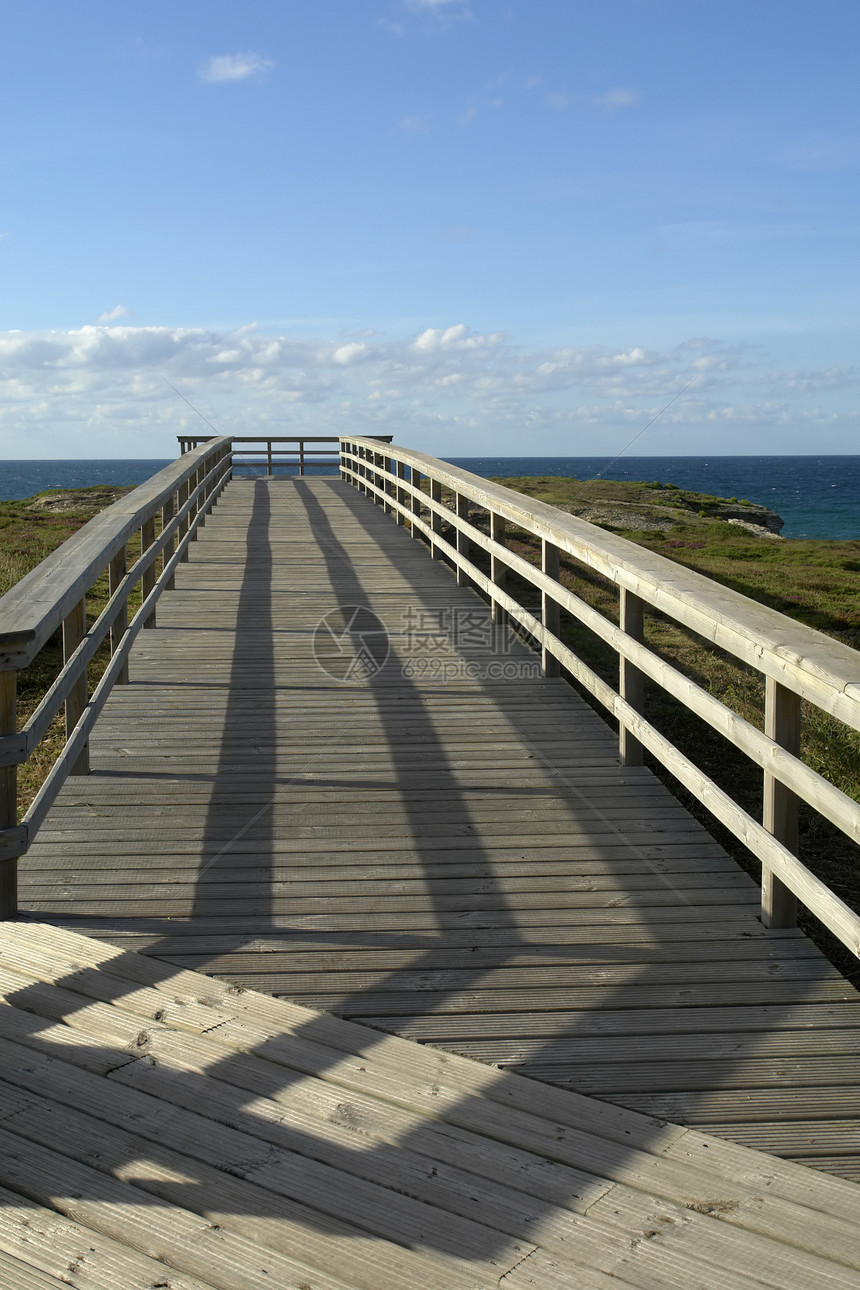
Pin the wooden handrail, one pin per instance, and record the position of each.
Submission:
(297, 454)
(797, 661)
(35, 607)
(54, 595)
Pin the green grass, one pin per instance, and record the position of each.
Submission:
(30, 530)
(815, 582)
(652, 500)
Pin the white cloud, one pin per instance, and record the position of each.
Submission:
(346, 353)
(433, 5)
(612, 100)
(414, 124)
(234, 67)
(442, 12)
(100, 390)
(111, 315)
(456, 337)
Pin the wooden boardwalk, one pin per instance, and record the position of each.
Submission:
(161, 1129)
(444, 846)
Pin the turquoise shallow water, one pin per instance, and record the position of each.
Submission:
(816, 496)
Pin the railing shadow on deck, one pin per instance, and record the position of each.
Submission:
(365, 1163)
(347, 581)
(462, 1239)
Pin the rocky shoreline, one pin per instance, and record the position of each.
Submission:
(642, 507)
(636, 507)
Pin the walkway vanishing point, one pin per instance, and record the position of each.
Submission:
(332, 778)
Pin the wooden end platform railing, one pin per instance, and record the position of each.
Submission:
(284, 453)
(797, 663)
(166, 512)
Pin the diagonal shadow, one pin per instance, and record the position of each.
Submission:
(254, 675)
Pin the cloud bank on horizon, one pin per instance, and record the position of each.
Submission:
(448, 389)
(482, 228)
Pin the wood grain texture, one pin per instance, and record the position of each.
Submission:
(429, 837)
(161, 1128)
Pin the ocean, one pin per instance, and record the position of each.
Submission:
(818, 497)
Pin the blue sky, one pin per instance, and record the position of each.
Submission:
(485, 227)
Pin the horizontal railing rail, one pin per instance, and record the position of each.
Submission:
(285, 452)
(166, 512)
(796, 661)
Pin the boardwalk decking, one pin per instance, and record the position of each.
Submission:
(160, 1129)
(447, 849)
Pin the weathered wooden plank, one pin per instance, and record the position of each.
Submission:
(49, 1245)
(525, 764)
(455, 1030)
(373, 1006)
(735, 1107)
(435, 1092)
(18, 1275)
(286, 1201)
(196, 1244)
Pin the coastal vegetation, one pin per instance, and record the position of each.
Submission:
(731, 540)
(30, 529)
(814, 581)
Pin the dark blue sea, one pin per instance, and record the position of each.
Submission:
(818, 497)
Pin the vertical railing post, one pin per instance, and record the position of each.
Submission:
(74, 631)
(550, 613)
(384, 467)
(415, 481)
(147, 537)
(390, 487)
(168, 511)
(193, 481)
(269, 458)
(631, 681)
(200, 509)
(301, 456)
(8, 794)
(182, 527)
(498, 568)
(401, 492)
(379, 479)
(213, 487)
(780, 815)
(437, 545)
(464, 546)
(116, 573)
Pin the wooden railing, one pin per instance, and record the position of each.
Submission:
(166, 511)
(287, 453)
(796, 661)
